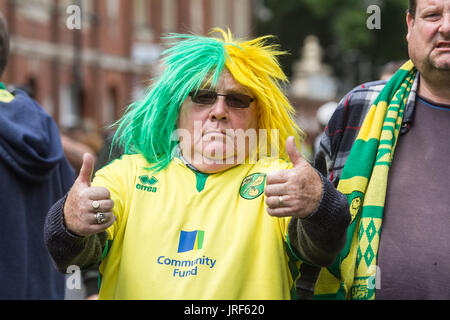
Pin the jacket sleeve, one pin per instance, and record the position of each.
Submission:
(318, 238)
(66, 248)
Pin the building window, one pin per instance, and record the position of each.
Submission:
(35, 10)
(141, 13)
(219, 14)
(69, 113)
(242, 18)
(169, 16)
(197, 13)
(111, 106)
(140, 8)
(112, 8)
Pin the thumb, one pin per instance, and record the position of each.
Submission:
(294, 154)
(86, 169)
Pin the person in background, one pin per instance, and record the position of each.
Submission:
(34, 174)
(390, 68)
(386, 148)
(108, 152)
(79, 140)
(323, 115)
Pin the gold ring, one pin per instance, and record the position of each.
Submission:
(280, 200)
(95, 205)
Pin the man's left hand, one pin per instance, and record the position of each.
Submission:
(293, 192)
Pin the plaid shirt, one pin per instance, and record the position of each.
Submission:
(344, 125)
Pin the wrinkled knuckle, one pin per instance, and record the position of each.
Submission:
(269, 180)
(84, 193)
(292, 188)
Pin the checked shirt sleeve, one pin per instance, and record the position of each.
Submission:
(343, 128)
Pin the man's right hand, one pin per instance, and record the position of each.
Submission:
(80, 216)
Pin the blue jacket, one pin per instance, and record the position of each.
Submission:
(34, 174)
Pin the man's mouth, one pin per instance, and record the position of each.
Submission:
(217, 136)
(214, 133)
(218, 133)
(443, 45)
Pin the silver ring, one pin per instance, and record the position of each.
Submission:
(280, 200)
(95, 205)
(101, 217)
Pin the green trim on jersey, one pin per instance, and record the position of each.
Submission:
(201, 180)
(104, 253)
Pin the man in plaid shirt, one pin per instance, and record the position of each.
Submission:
(337, 141)
(413, 258)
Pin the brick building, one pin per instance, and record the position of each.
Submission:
(94, 69)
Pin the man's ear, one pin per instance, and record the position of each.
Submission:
(410, 23)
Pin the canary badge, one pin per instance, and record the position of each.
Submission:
(252, 186)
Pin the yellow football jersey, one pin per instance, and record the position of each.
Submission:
(180, 234)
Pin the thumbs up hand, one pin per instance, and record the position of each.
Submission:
(293, 192)
(88, 210)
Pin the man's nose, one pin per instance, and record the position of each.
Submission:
(445, 25)
(219, 109)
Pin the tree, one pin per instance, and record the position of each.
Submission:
(355, 52)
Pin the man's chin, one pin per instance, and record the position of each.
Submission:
(217, 159)
(435, 70)
(440, 62)
(442, 66)
(213, 162)
(218, 153)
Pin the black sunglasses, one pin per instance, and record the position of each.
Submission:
(233, 100)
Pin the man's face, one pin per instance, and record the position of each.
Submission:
(211, 142)
(429, 36)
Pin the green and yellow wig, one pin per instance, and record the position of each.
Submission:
(148, 124)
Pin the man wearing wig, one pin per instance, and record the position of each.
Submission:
(204, 204)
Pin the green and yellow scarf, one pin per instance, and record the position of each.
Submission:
(364, 181)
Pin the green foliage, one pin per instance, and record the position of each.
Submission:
(350, 29)
(341, 28)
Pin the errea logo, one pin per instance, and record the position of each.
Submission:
(147, 183)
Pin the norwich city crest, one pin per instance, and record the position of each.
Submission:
(252, 186)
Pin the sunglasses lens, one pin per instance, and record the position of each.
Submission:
(204, 97)
(236, 100)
